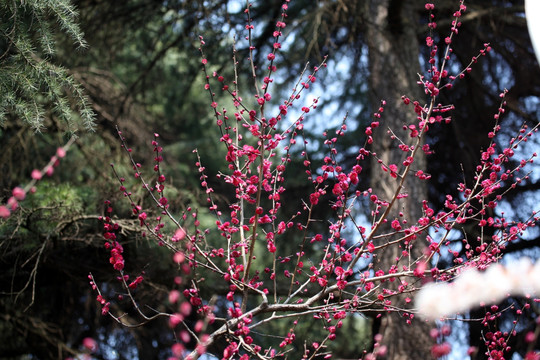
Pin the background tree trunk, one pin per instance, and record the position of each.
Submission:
(394, 65)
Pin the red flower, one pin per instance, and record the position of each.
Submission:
(142, 218)
(440, 350)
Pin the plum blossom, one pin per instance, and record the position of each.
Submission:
(90, 344)
(4, 212)
(36, 174)
(19, 193)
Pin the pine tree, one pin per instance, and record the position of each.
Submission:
(32, 85)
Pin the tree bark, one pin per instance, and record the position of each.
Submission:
(394, 65)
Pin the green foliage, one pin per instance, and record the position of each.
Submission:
(51, 206)
(32, 86)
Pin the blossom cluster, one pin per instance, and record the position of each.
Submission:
(330, 273)
(19, 193)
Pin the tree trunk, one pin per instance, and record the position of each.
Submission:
(394, 65)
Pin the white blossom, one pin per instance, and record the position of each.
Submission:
(532, 11)
(473, 288)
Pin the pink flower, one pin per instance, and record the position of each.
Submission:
(532, 356)
(341, 284)
(271, 246)
(12, 203)
(90, 344)
(179, 235)
(4, 212)
(60, 152)
(142, 218)
(185, 308)
(19, 193)
(419, 271)
(105, 309)
(177, 349)
(179, 257)
(440, 350)
(174, 295)
(136, 282)
(36, 174)
(175, 319)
